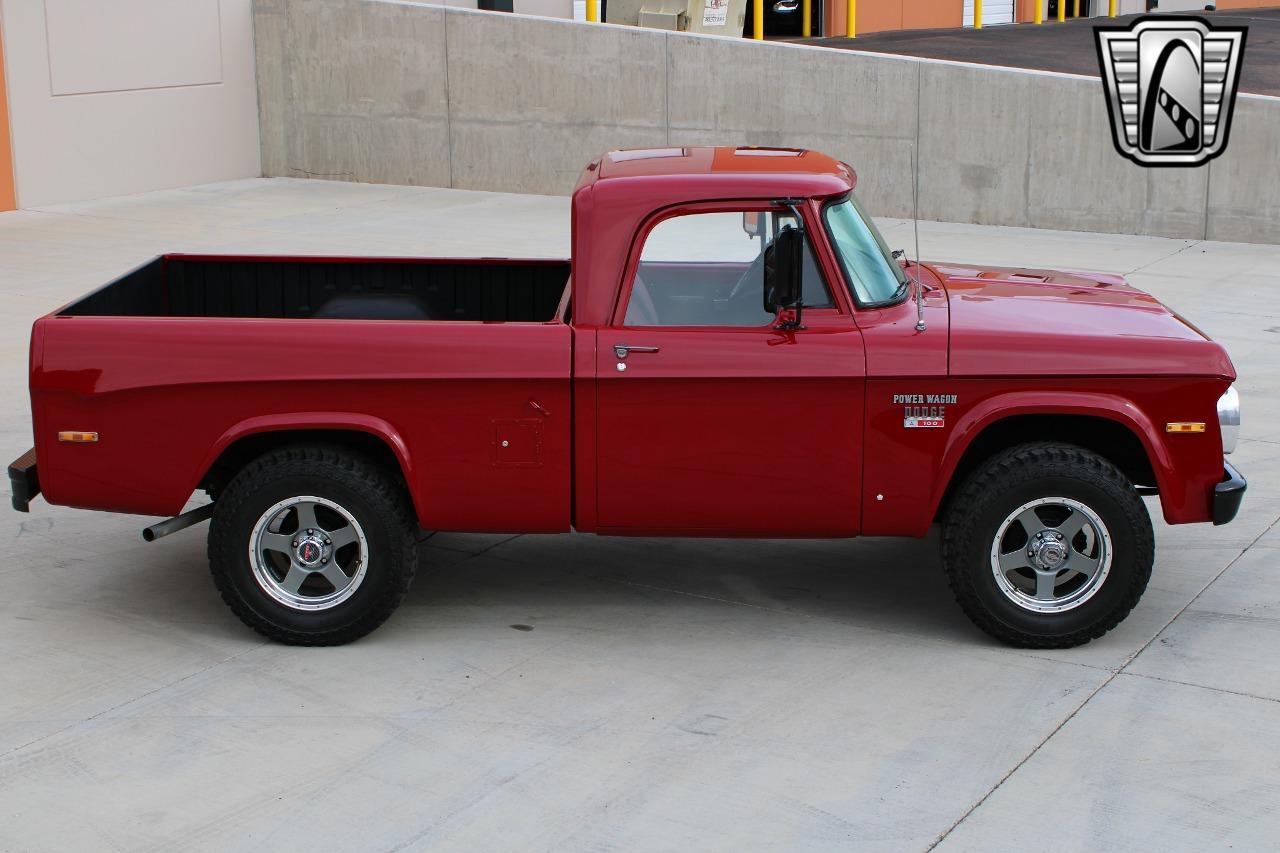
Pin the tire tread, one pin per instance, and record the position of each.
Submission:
(984, 487)
(358, 472)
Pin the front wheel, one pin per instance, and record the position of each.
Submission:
(312, 545)
(1047, 546)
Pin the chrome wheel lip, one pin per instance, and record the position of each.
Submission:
(1076, 597)
(266, 580)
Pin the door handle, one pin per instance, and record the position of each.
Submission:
(623, 350)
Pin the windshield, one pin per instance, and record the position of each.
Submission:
(867, 262)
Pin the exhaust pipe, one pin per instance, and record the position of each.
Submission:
(178, 522)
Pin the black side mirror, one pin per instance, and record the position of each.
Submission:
(783, 281)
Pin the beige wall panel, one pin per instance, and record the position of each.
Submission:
(173, 116)
(132, 44)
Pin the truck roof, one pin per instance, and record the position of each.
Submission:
(806, 172)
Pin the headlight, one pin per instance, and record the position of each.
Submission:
(1229, 418)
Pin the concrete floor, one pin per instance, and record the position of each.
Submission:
(671, 695)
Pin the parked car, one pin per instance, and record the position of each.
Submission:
(731, 351)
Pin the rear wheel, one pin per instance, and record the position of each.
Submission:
(1047, 546)
(313, 545)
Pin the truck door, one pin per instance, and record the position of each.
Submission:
(710, 419)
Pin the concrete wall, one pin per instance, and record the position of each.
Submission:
(368, 90)
(128, 96)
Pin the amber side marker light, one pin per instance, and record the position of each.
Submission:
(1185, 426)
(78, 437)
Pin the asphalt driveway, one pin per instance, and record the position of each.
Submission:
(1069, 47)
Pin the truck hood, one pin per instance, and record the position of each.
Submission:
(1030, 322)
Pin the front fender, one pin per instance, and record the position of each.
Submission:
(1110, 406)
(908, 469)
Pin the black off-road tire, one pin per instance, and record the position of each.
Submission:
(1026, 473)
(372, 495)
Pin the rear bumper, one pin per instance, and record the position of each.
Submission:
(1228, 494)
(24, 481)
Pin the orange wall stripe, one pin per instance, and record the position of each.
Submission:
(8, 198)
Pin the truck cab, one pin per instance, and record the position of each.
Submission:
(732, 350)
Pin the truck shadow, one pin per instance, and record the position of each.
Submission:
(879, 584)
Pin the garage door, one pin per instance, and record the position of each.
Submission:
(993, 12)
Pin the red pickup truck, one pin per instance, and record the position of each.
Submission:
(732, 351)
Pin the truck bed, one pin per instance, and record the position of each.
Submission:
(332, 288)
(187, 357)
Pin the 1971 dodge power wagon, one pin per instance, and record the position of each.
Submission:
(732, 351)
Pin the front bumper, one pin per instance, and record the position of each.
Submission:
(1227, 494)
(23, 481)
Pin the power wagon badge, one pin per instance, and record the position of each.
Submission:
(924, 411)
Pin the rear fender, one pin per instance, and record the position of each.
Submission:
(340, 421)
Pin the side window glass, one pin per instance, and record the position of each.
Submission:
(708, 269)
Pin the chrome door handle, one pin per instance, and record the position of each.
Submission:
(623, 350)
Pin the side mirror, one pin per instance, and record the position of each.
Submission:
(783, 281)
(751, 222)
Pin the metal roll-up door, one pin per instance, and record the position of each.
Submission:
(993, 12)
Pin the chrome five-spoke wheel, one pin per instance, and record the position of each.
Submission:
(308, 553)
(1051, 555)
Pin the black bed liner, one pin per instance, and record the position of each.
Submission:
(333, 288)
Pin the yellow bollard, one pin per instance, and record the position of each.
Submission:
(1075, 10)
(593, 11)
(806, 22)
(851, 22)
(977, 14)
(1111, 13)
(757, 20)
(1062, 11)
(1039, 11)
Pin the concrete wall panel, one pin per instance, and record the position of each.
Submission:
(370, 90)
(1077, 180)
(524, 119)
(275, 102)
(379, 115)
(974, 144)
(1244, 183)
(858, 108)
